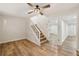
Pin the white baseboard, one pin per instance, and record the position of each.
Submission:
(11, 40)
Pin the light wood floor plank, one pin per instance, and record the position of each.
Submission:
(68, 48)
(26, 48)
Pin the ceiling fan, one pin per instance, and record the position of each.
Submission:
(37, 8)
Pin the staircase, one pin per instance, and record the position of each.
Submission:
(43, 39)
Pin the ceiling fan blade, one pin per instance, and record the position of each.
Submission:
(30, 12)
(41, 13)
(30, 4)
(47, 6)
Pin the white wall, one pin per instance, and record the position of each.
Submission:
(77, 28)
(13, 28)
(72, 29)
(53, 25)
(53, 29)
(64, 30)
(59, 31)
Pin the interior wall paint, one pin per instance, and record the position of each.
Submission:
(77, 28)
(53, 25)
(13, 28)
(72, 30)
(64, 31)
(59, 30)
(53, 29)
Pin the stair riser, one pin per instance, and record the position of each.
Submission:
(41, 36)
(44, 41)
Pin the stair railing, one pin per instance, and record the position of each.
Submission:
(36, 31)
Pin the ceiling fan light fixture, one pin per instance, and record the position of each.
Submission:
(37, 9)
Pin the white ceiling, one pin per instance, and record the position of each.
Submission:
(61, 7)
(19, 9)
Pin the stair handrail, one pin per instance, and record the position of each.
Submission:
(37, 32)
(41, 30)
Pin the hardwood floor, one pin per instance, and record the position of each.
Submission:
(26, 48)
(68, 48)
